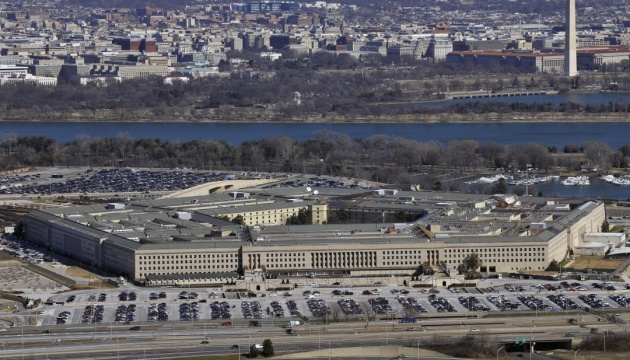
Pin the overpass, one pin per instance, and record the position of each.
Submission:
(218, 187)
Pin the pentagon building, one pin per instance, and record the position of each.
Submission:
(349, 232)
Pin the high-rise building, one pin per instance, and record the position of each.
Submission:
(570, 43)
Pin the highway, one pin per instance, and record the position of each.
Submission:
(165, 341)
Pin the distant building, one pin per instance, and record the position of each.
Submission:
(15, 60)
(281, 41)
(549, 62)
(9, 70)
(130, 71)
(144, 45)
(589, 59)
(541, 62)
(30, 79)
(266, 6)
(202, 71)
(472, 45)
(270, 55)
(97, 80)
(47, 68)
(397, 51)
(438, 48)
(235, 43)
(176, 77)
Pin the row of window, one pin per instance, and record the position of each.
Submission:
(340, 264)
(492, 250)
(503, 251)
(400, 263)
(284, 266)
(285, 254)
(501, 260)
(402, 252)
(484, 256)
(202, 267)
(202, 261)
(140, 275)
(401, 257)
(201, 256)
(286, 260)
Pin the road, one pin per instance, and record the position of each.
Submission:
(164, 341)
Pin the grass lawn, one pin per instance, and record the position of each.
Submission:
(591, 355)
(595, 262)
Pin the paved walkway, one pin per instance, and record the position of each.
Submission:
(534, 356)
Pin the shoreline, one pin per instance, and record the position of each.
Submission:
(250, 115)
(488, 118)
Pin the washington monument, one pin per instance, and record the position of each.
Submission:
(570, 54)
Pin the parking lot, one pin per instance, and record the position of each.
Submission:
(149, 305)
(110, 180)
(320, 182)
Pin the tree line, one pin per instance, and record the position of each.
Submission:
(381, 158)
(322, 94)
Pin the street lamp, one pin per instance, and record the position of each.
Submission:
(22, 341)
(531, 340)
(328, 350)
(418, 349)
(499, 350)
(94, 320)
(575, 354)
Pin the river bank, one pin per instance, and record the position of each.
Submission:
(247, 117)
(581, 107)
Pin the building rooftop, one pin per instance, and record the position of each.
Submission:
(446, 218)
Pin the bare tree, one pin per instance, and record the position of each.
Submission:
(409, 311)
(494, 153)
(370, 314)
(598, 153)
(123, 144)
(335, 312)
(8, 141)
(460, 154)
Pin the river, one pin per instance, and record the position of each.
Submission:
(558, 134)
(597, 188)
